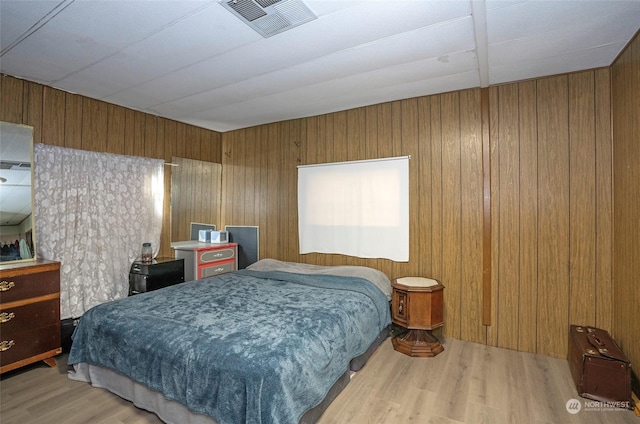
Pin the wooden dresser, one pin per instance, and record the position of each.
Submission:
(29, 313)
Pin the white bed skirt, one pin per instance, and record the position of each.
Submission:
(169, 411)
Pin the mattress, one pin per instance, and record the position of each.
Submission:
(249, 346)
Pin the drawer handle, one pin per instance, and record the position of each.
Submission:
(6, 345)
(6, 317)
(6, 285)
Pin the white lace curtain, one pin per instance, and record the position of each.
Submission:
(93, 211)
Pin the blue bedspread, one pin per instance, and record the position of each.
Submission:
(243, 347)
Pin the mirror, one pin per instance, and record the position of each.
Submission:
(16, 194)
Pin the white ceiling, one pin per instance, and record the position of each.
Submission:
(195, 62)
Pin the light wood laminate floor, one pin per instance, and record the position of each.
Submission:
(467, 383)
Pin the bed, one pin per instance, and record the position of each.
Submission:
(274, 343)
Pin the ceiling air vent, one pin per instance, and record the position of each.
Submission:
(270, 17)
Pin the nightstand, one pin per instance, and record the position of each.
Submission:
(203, 260)
(417, 306)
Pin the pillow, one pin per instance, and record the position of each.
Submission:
(375, 276)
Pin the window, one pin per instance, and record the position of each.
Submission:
(358, 208)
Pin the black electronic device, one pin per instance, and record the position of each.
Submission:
(161, 272)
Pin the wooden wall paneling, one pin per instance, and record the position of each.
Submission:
(338, 153)
(355, 133)
(385, 131)
(134, 136)
(227, 179)
(528, 217)
(193, 197)
(340, 148)
(240, 179)
(129, 133)
(312, 150)
(160, 139)
(192, 143)
(396, 127)
(324, 154)
(33, 109)
(311, 144)
(287, 130)
(12, 97)
(116, 129)
(486, 208)
(385, 150)
(507, 218)
(249, 190)
(169, 154)
(409, 132)
(634, 295)
(435, 197)
(451, 211)
(180, 142)
(228, 160)
(371, 132)
(150, 143)
(263, 188)
(284, 144)
(216, 139)
(625, 79)
(472, 215)
(208, 193)
(140, 137)
(298, 135)
(604, 201)
(491, 331)
(215, 194)
(553, 223)
(205, 145)
(582, 199)
(73, 119)
(396, 268)
(423, 231)
(54, 117)
(625, 197)
(178, 172)
(273, 233)
(94, 125)
(371, 150)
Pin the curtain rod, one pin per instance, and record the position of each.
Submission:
(355, 161)
(171, 164)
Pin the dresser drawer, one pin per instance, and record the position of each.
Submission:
(206, 256)
(29, 343)
(18, 287)
(217, 268)
(17, 320)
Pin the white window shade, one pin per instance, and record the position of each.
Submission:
(358, 208)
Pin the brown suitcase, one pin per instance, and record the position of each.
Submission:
(599, 368)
